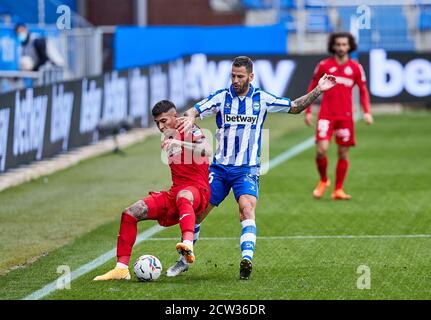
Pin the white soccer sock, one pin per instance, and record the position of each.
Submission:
(121, 265)
(248, 238)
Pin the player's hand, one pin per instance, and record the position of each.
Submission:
(170, 144)
(308, 119)
(185, 124)
(327, 82)
(368, 118)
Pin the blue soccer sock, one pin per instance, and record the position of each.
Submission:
(248, 238)
(197, 231)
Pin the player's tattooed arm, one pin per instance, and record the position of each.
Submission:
(325, 83)
(199, 147)
(302, 103)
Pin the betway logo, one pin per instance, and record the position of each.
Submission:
(240, 119)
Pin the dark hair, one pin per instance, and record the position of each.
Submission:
(331, 41)
(162, 107)
(243, 61)
(19, 25)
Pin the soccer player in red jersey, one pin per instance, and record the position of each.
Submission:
(189, 195)
(336, 111)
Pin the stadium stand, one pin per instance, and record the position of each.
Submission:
(424, 20)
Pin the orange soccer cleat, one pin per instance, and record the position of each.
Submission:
(187, 251)
(321, 188)
(339, 194)
(114, 274)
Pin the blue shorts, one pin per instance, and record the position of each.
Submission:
(242, 180)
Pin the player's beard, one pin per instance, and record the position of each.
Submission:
(341, 54)
(243, 88)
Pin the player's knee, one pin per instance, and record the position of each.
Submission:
(138, 210)
(246, 210)
(343, 153)
(185, 194)
(322, 151)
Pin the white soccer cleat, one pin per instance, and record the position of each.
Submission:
(179, 267)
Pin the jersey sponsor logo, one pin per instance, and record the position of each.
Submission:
(348, 71)
(333, 69)
(240, 119)
(256, 106)
(345, 81)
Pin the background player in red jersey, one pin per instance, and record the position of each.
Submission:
(189, 195)
(336, 111)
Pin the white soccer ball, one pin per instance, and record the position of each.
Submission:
(147, 268)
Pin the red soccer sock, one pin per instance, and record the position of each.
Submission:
(322, 165)
(187, 218)
(126, 238)
(342, 166)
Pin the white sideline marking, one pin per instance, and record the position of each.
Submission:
(91, 265)
(312, 237)
(288, 154)
(146, 235)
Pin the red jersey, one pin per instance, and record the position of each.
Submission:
(188, 169)
(337, 102)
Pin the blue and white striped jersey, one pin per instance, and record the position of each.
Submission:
(240, 121)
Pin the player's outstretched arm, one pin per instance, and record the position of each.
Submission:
(200, 147)
(325, 83)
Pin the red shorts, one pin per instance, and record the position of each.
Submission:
(344, 131)
(162, 205)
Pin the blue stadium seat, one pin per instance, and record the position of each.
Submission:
(424, 21)
(318, 21)
(316, 3)
(389, 29)
(266, 4)
(288, 20)
(288, 4)
(257, 4)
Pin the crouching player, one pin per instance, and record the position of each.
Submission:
(189, 195)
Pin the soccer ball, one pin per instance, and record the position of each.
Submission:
(147, 268)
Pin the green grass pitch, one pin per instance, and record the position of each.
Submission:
(72, 217)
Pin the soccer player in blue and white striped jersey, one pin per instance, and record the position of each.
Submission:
(240, 113)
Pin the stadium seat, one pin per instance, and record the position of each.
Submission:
(318, 21)
(316, 3)
(288, 4)
(389, 29)
(288, 20)
(267, 4)
(424, 21)
(257, 4)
